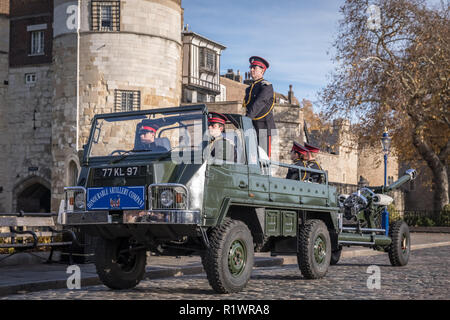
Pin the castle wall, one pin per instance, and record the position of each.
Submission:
(64, 115)
(29, 125)
(5, 194)
(371, 166)
(342, 164)
(25, 107)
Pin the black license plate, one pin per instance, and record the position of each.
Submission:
(134, 171)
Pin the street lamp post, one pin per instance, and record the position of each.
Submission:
(386, 145)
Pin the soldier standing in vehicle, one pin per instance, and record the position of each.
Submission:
(259, 101)
(220, 147)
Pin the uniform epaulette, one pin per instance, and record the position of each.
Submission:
(265, 83)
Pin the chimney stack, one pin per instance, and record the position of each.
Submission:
(290, 94)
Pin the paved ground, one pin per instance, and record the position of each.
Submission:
(427, 276)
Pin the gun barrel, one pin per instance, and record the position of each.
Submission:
(409, 175)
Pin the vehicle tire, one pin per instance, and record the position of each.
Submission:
(335, 256)
(119, 270)
(314, 249)
(400, 247)
(228, 262)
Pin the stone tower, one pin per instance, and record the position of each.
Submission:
(69, 60)
(126, 55)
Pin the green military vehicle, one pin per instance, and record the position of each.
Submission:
(171, 197)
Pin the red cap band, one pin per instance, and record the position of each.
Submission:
(216, 120)
(259, 64)
(148, 128)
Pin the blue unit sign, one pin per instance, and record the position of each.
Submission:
(116, 198)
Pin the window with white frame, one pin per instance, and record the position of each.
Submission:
(30, 78)
(37, 42)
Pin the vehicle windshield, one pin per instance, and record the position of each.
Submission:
(147, 133)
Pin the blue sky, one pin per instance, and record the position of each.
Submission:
(293, 35)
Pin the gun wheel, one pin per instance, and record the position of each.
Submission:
(117, 267)
(228, 262)
(400, 247)
(314, 249)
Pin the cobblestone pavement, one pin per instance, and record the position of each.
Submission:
(427, 276)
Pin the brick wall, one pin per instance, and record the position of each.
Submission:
(4, 7)
(24, 14)
(235, 90)
(19, 8)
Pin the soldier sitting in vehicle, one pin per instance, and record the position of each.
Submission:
(146, 138)
(297, 156)
(303, 157)
(312, 163)
(220, 147)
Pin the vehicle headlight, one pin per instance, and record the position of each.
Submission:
(167, 198)
(80, 201)
(75, 199)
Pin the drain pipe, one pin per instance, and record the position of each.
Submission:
(78, 74)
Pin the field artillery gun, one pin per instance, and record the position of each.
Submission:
(364, 221)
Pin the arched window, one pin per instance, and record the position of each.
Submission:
(72, 174)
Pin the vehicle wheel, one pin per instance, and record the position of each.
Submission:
(116, 269)
(314, 249)
(400, 247)
(335, 256)
(228, 262)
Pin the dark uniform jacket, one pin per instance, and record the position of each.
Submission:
(304, 175)
(312, 176)
(259, 101)
(293, 173)
(159, 145)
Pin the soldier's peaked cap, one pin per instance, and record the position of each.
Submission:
(215, 117)
(297, 147)
(311, 148)
(148, 125)
(258, 61)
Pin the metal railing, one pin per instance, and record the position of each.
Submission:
(215, 87)
(423, 218)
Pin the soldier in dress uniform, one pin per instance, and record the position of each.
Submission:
(259, 101)
(303, 156)
(298, 153)
(147, 137)
(312, 163)
(220, 147)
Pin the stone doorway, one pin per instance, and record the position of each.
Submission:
(34, 198)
